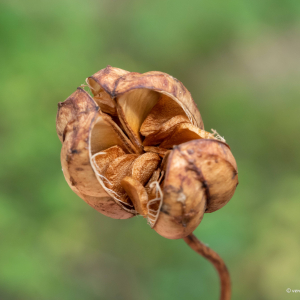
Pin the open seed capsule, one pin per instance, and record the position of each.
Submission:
(137, 145)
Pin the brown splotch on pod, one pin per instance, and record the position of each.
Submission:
(217, 170)
(201, 176)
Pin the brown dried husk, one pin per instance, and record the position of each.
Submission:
(201, 176)
(158, 107)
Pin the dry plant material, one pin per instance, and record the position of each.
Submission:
(137, 146)
(158, 150)
(137, 193)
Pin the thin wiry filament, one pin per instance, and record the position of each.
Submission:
(153, 214)
(91, 88)
(161, 176)
(217, 136)
(98, 169)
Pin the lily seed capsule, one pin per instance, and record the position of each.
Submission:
(137, 145)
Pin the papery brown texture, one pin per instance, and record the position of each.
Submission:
(118, 155)
(75, 120)
(201, 176)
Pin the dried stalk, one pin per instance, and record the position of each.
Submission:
(216, 260)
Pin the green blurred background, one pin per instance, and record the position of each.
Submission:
(241, 62)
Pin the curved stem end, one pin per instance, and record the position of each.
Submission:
(217, 262)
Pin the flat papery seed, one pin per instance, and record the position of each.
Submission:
(133, 107)
(137, 194)
(102, 159)
(106, 133)
(144, 166)
(163, 112)
(158, 150)
(106, 103)
(216, 167)
(117, 170)
(184, 133)
(166, 130)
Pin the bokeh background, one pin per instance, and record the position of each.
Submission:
(241, 62)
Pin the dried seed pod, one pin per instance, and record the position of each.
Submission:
(201, 176)
(118, 154)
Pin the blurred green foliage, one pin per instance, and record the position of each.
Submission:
(241, 62)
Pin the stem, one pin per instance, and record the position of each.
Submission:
(216, 260)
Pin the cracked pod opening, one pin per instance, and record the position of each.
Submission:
(139, 144)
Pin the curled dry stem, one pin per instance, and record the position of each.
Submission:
(216, 260)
